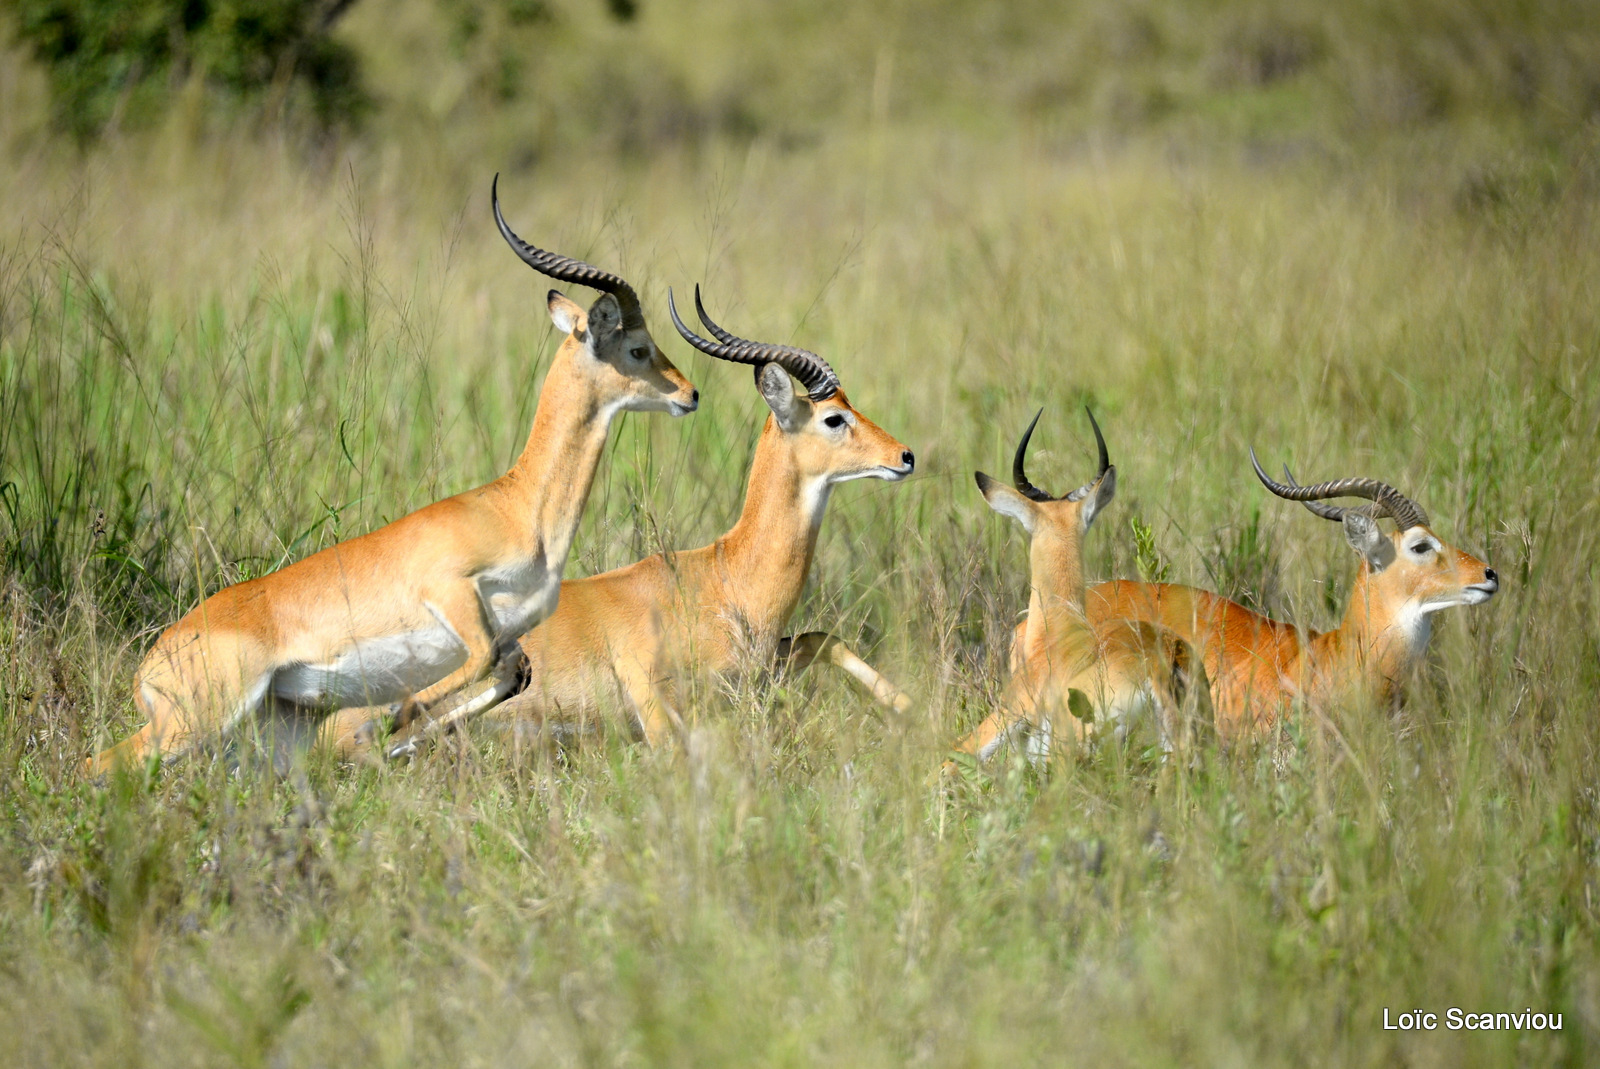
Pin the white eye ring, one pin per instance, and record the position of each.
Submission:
(834, 420)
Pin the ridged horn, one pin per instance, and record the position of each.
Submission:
(1105, 460)
(1317, 508)
(1386, 500)
(716, 332)
(566, 269)
(813, 372)
(1019, 473)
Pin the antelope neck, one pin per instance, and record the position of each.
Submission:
(766, 555)
(1367, 640)
(1055, 564)
(551, 479)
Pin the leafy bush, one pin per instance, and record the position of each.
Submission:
(112, 62)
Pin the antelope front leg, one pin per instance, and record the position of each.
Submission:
(442, 708)
(800, 651)
(350, 733)
(1018, 657)
(1018, 710)
(657, 718)
(489, 673)
(987, 737)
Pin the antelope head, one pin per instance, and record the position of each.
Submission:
(1055, 525)
(1408, 573)
(830, 440)
(609, 343)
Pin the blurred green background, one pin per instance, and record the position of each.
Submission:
(251, 302)
(531, 77)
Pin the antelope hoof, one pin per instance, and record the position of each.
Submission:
(405, 750)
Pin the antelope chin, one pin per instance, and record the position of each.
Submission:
(882, 471)
(1471, 595)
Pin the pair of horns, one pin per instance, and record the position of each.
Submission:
(813, 372)
(1386, 500)
(1019, 474)
(566, 269)
(821, 383)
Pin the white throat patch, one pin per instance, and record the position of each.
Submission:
(814, 499)
(1416, 626)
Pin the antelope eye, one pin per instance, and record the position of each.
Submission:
(641, 353)
(835, 420)
(1420, 548)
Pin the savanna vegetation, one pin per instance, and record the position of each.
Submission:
(1364, 238)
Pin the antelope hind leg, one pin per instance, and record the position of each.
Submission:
(1183, 693)
(202, 689)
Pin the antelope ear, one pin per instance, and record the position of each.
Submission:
(777, 389)
(1368, 539)
(1101, 497)
(565, 314)
(1006, 501)
(605, 318)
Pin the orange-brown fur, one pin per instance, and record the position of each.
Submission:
(1116, 667)
(621, 639)
(474, 570)
(1258, 665)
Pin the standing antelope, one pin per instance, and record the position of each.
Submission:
(1259, 665)
(1090, 671)
(623, 638)
(436, 600)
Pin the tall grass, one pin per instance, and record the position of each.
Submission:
(217, 356)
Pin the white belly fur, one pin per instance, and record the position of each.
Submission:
(1128, 709)
(392, 667)
(375, 670)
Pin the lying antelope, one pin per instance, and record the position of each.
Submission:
(1078, 671)
(622, 639)
(1259, 665)
(436, 600)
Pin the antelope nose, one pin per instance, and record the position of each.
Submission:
(1491, 578)
(694, 397)
(909, 459)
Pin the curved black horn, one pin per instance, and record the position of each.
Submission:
(566, 269)
(1100, 442)
(716, 331)
(1386, 500)
(813, 372)
(1317, 508)
(1105, 459)
(1019, 474)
